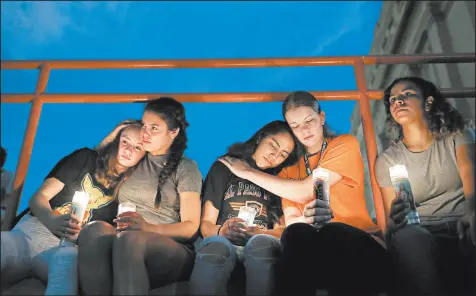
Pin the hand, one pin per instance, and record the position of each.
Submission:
(125, 123)
(317, 213)
(67, 226)
(237, 166)
(467, 225)
(398, 215)
(130, 221)
(234, 230)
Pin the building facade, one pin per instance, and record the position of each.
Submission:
(418, 27)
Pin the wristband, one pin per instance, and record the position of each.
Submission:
(219, 228)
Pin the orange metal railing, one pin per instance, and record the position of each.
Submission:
(362, 95)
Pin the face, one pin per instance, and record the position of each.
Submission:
(273, 150)
(306, 124)
(130, 147)
(156, 136)
(406, 102)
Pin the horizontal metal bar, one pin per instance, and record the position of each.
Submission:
(213, 97)
(242, 63)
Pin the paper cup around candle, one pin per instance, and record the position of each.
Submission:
(126, 207)
(248, 214)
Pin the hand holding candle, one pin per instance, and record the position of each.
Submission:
(78, 209)
(403, 191)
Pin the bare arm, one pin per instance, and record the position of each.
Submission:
(465, 161)
(40, 206)
(293, 215)
(210, 214)
(190, 219)
(40, 202)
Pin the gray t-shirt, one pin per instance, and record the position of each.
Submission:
(141, 188)
(434, 177)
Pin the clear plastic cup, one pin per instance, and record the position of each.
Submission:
(248, 214)
(126, 207)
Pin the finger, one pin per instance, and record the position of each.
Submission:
(400, 216)
(75, 219)
(398, 206)
(67, 230)
(235, 220)
(397, 200)
(317, 212)
(322, 219)
(73, 225)
(317, 203)
(225, 162)
(460, 229)
(401, 224)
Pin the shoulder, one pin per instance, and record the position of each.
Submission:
(220, 168)
(187, 166)
(465, 137)
(388, 157)
(345, 140)
(84, 153)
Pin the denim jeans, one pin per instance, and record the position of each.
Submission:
(217, 257)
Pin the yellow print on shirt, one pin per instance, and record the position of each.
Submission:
(97, 199)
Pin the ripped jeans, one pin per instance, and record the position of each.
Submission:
(216, 259)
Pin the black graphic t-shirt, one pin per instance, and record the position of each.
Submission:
(228, 193)
(77, 172)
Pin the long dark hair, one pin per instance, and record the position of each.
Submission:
(173, 113)
(245, 150)
(106, 172)
(306, 99)
(442, 118)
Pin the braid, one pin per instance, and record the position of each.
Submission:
(176, 152)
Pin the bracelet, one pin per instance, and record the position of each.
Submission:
(219, 228)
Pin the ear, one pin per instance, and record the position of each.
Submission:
(174, 133)
(322, 115)
(428, 103)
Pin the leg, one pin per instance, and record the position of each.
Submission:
(214, 262)
(414, 251)
(299, 247)
(63, 272)
(260, 256)
(95, 258)
(352, 256)
(139, 256)
(15, 257)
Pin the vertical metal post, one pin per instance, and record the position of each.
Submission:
(27, 148)
(370, 143)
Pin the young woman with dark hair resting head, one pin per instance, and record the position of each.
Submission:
(229, 241)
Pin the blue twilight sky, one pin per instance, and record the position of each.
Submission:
(172, 30)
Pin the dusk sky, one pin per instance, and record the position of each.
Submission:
(172, 30)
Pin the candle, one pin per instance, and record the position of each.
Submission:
(320, 178)
(79, 204)
(403, 190)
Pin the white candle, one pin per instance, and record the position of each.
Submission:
(398, 171)
(320, 178)
(79, 204)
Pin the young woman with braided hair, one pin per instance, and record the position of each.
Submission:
(153, 246)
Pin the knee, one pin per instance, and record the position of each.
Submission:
(411, 238)
(216, 250)
(297, 233)
(94, 230)
(128, 244)
(262, 247)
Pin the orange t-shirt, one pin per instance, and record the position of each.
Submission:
(342, 156)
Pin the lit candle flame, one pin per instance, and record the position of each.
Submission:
(398, 171)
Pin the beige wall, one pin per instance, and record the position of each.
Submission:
(411, 27)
